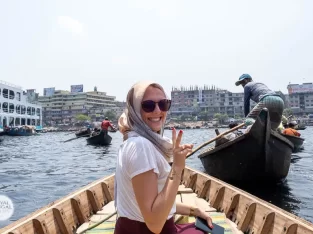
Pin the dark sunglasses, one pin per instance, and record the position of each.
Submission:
(149, 105)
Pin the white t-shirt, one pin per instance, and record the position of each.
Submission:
(135, 156)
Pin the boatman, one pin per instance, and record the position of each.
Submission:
(105, 125)
(291, 129)
(264, 97)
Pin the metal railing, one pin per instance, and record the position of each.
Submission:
(9, 84)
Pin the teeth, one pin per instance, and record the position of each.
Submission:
(155, 119)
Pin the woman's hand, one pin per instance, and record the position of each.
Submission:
(179, 151)
(204, 215)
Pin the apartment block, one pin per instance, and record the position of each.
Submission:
(62, 106)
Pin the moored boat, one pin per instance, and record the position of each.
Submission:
(297, 142)
(21, 131)
(258, 155)
(99, 139)
(92, 207)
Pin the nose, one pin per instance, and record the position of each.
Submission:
(156, 108)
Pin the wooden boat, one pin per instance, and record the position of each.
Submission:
(258, 155)
(234, 209)
(21, 131)
(99, 139)
(83, 133)
(297, 142)
(301, 127)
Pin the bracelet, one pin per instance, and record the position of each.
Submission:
(172, 174)
(192, 211)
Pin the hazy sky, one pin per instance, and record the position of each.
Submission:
(112, 44)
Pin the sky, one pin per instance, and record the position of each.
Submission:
(113, 44)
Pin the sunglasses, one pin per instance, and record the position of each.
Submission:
(149, 105)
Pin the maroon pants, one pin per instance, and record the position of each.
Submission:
(128, 226)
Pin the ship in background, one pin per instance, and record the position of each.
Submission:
(20, 114)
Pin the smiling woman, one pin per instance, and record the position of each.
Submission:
(145, 184)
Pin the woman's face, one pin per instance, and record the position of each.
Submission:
(156, 118)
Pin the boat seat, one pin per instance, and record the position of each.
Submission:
(184, 195)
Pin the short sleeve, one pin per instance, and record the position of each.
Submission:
(141, 157)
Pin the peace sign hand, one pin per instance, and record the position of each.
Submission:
(179, 151)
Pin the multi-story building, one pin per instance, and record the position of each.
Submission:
(194, 100)
(61, 106)
(300, 98)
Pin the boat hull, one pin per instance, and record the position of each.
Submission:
(258, 155)
(73, 212)
(100, 139)
(297, 142)
(20, 132)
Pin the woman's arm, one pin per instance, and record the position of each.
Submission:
(184, 209)
(155, 207)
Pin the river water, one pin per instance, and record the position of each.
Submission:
(37, 170)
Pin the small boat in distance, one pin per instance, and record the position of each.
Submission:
(260, 154)
(21, 131)
(99, 139)
(92, 208)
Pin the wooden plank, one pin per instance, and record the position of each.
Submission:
(206, 186)
(78, 210)
(40, 227)
(203, 204)
(61, 221)
(290, 228)
(229, 212)
(189, 199)
(93, 201)
(105, 187)
(250, 210)
(98, 217)
(267, 224)
(216, 201)
(107, 209)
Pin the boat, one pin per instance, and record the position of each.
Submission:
(301, 127)
(99, 139)
(297, 142)
(83, 133)
(21, 131)
(18, 108)
(260, 154)
(91, 210)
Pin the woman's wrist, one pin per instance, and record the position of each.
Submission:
(175, 172)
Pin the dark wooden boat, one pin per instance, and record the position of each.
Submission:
(83, 133)
(258, 155)
(301, 127)
(296, 141)
(99, 139)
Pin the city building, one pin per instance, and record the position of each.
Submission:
(207, 100)
(61, 107)
(300, 98)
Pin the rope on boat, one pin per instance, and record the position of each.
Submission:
(98, 223)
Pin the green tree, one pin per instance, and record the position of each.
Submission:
(82, 117)
(220, 117)
(287, 112)
(111, 115)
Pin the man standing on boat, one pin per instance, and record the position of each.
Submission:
(105, 125)
(264, 97)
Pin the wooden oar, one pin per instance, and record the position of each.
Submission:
(215, 138)
(76, 138)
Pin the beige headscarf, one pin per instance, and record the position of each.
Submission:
(131, 119)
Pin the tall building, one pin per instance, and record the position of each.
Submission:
(60, 106)
(195, 100)
(300, 97)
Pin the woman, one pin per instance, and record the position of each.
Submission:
(145, 184)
